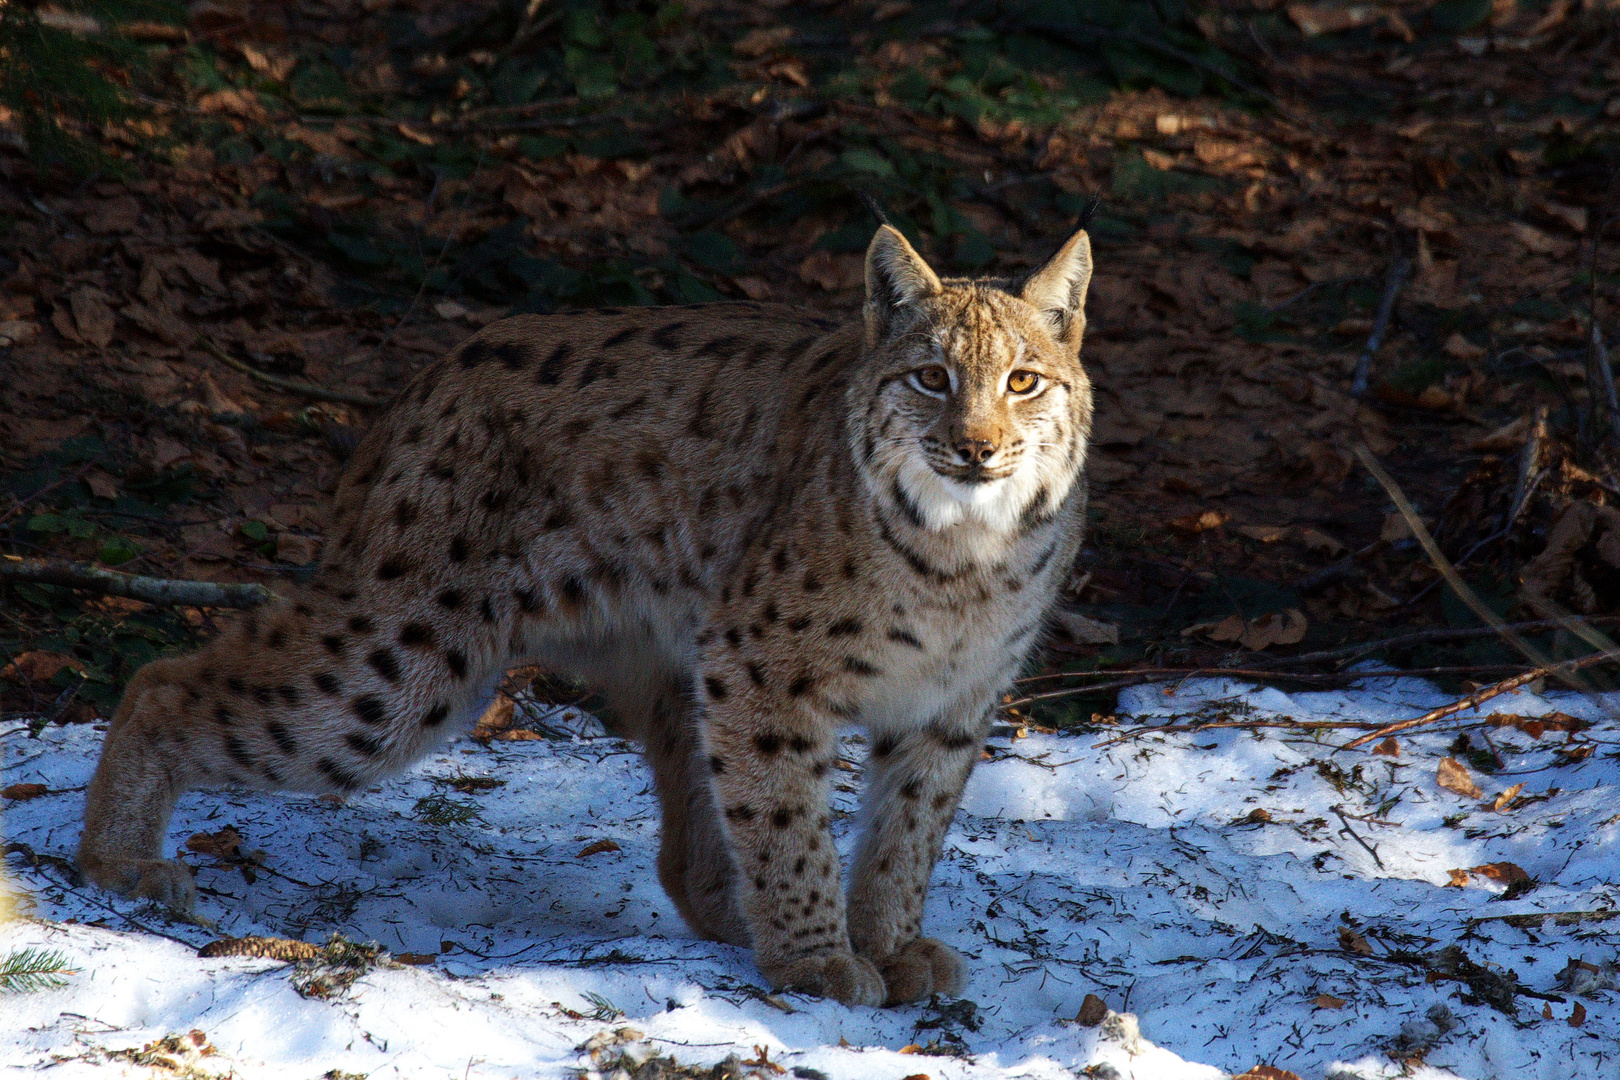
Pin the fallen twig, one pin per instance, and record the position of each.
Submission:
(1482, 695)
(1138, 676)
(150, 590)
(1348, 831)
(295, 386)
(1386, 307)
(1250, 725)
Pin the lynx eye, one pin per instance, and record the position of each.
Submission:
(1023, 382)
(933, 378)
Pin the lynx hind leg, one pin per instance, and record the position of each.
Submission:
(307, 697)
(694, 861)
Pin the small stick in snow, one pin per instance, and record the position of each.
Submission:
(1352, 834)
(1482, 695)
(1386, 307)
(151, 590)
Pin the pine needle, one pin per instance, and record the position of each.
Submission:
(24, 971)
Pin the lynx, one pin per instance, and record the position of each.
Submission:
(748, 526)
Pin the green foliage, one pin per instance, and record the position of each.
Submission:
(66, 71)
(24, 971)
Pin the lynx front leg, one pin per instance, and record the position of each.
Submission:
(770, 777)
(915, 781)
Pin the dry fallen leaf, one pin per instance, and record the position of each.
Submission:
(762, 42)
(1331, 17)
(1453, 776)
(910, 1048)
(1536, 726)
(1328, 1001)
(1577, 1015)
(1350, 941)
(1534, 239)
(1508, 437)
(1191, 524)
(1506, 797)
(832, 272)
(1275, 628)
(1092, 1011)
(1266, 534)
(1267, 1072)
(1459, 878)
(92, 317)
(1546, 1012)
(224, 844)
(1460, 348)
(38, 666)
(1319, 541)
(416, 959)
(597, 848)
(1505, 872)
(1228, 629)
(1388, 748)
(24, 792)
(1086, 631)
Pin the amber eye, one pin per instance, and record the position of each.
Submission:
(1022, 382)
(933, 378)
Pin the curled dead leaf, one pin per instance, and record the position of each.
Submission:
(24, 792)
(1388, 748)
(597, 848)
(416, 959)
(1504, 872)
(224, 844)
(1350, 941)
(1577, 1015)
(1459, 878)
(1537, 726)
(1266, 534)
(1092, 1011)
(1506, 797)
(1328, 1001)
(1453, 775)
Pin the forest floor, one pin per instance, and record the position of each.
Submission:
(333, 192)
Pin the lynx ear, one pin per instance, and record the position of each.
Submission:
(896, 278)
(1058, 289)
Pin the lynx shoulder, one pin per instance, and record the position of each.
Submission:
(747, 525)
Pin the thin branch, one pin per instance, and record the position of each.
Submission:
(1142, 675)
(293, 386)
(1386, 308)
(1449, 572)
(151, 590)
(1481, 695)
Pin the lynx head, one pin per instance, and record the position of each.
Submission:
(971, 406)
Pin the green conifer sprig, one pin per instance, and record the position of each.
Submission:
(24, 971)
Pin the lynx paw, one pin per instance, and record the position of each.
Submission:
(846, 978)
(920, 968)
(167, 882)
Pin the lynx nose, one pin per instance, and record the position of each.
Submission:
(975, 451)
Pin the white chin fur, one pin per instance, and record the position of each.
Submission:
(995, 504)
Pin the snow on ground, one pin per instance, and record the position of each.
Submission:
(1130, 869)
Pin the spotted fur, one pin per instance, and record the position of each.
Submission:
(749, 526)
